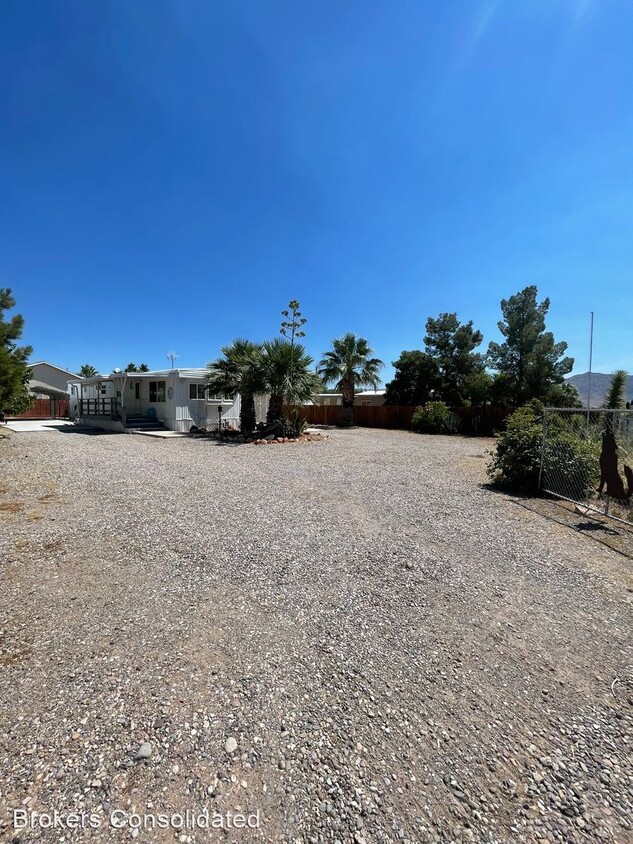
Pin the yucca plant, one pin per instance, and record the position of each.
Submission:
(614, 399)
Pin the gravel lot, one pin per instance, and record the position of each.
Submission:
(353, 638)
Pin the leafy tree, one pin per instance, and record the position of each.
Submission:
(415, 381)
(451, 345)
(87, 371)
(529, 361)
(563, 395)
(350, 365)
(614, 399)
(477, 387)
(239, 370)
(14, 368)
(288, 376)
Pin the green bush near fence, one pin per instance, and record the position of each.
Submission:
(434, 417)
(571, 454)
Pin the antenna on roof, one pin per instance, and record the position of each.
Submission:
(172, 357)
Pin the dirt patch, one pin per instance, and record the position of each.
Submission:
(593, 526)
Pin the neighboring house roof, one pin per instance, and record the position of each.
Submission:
(36, 386)
(54, 366)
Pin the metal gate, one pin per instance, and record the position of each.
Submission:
(587, 458)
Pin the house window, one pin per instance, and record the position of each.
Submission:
(156, 391)
(197, 391)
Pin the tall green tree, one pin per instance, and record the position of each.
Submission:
(14, 368)
(451, 345)
(350, 366)
(477, 387)
(415, 380)
(239, 370)
(528, 362)
(289, 377)
(87, 371)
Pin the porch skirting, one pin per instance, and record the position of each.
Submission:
(102, 422)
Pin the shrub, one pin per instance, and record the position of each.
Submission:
(434, 418)
(516, 460)
(575, 461)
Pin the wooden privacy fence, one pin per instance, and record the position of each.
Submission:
(45, 409)
(481, 421)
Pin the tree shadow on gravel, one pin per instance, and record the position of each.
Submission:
(86, 431)
(597, 526)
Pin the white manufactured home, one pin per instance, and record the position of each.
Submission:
(175, 399)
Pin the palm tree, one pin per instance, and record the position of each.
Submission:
(349, 365)
(288, 376)
(239, 371)
(87, 371)
(143, 368)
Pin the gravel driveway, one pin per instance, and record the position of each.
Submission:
(353, 638)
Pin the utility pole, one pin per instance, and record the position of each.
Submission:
(590, 364)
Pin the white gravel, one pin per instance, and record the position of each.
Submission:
(354, 638)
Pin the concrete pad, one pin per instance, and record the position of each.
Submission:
(164, 435)
(39, 425)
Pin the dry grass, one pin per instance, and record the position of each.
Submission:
(48, 497)
(11, 506)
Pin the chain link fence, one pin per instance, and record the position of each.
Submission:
(587, 458)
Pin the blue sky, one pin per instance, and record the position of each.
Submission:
(171, 174)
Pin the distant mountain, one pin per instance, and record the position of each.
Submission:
(599, 386)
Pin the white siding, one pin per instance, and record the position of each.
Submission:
(188, 411)
(231, 415)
